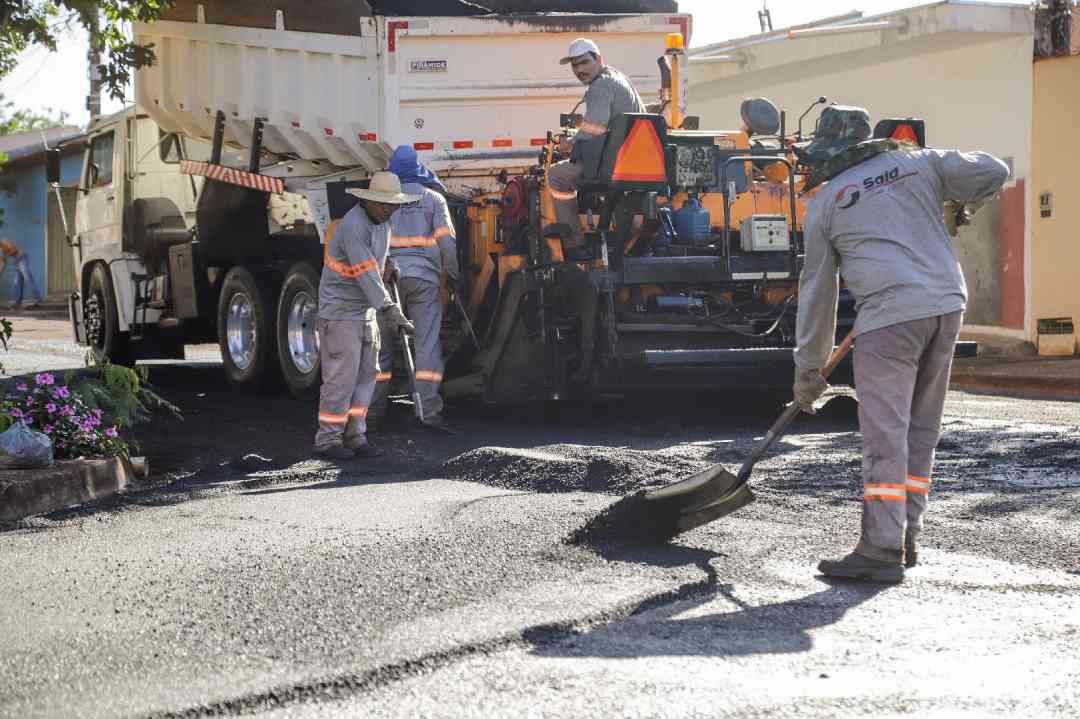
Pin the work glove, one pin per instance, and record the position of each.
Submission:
(391, 272)
(394, 318)
(809, 385)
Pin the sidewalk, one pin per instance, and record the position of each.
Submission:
(1012, 367)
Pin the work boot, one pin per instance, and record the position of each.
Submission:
(436, 422)
(362, 449)
(856, 566)
(911, 552)
(334, 451)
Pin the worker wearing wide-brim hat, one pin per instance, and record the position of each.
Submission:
(880, 224)
(351, 296)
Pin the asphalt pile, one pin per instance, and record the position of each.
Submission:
(568, 468)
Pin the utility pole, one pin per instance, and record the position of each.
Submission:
(764, 18)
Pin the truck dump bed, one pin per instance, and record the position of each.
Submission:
(472, 94)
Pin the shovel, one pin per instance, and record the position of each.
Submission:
(410, 365)
(715, 492)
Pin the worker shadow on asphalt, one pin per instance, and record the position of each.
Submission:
(674, 624)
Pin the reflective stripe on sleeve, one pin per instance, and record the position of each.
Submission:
(347, 270)
(562, 195)
(358, 411)
(384, 376)
(424, 375)
(442, 232)
(330, 418)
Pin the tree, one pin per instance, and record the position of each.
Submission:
(12, 120)
(40, 22)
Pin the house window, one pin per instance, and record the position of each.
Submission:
(101, 161)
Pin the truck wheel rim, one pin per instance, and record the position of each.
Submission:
(240, 330)
(302, 338)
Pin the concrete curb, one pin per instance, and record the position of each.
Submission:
(1024, 387)
(25, 492)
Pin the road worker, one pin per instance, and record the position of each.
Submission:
(422, 247)
(610, 94)
(351, 294)
(879, 224)
(23, 275)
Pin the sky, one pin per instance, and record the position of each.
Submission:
(59, 79)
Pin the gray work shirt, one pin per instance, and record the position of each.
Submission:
(881, 224)
(609, 94)
(351, 286)
(422, 240)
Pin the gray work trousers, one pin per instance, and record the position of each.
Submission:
(349, 353)
(563, 180)
(421, 303)
(901, 377)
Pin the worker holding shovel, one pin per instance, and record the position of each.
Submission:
(879, 224)
(351, 293)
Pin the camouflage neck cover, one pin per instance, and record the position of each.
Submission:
(848, 159)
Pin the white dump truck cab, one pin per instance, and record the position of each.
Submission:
(126, 188)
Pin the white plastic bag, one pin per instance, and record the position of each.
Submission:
(23, 448)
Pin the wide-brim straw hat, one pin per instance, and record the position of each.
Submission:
(385, 187)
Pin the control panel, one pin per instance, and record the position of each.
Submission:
(765, 233)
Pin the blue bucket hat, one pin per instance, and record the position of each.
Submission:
(405, 164)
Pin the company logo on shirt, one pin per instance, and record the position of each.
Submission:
(847, 197)
(851, 194)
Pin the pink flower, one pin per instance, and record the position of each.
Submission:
(47, 429)
(66, 411)
(21, 387)
(110, 432)
(45, 378)
(62, 392)
(50, 408)
(16, 412)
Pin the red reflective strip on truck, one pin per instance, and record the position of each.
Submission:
(502, 143)
(232, 176)
(368, 136)
(392, 31)
(423, 145)
(537, 141)
(462, 144)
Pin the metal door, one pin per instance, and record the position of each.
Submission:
(60, 271)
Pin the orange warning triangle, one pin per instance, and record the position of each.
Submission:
(641, 157)
(904, 133)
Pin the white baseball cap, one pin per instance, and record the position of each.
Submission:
(579, 47)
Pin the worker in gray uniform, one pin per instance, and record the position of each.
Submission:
(879, 224)
(422, 247)
(610, 94)
(351, 294)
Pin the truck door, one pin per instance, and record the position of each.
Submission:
(98, 218)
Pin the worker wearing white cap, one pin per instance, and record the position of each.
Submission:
(351, 292)
(610, 94)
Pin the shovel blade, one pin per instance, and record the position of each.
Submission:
(694, 518)
(698, 490)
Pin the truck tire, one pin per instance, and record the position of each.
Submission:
(101, 319)
(245, 323)
(297, 337)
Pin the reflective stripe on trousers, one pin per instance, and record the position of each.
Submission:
(901, 378)
(349, 352)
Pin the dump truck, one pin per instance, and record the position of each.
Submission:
(204, 213)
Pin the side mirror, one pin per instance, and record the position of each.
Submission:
(52, 166)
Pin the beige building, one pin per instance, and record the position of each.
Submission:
(967, 69)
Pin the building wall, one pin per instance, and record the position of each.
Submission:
(973, 89)
(1055, 240)
(23, 200)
